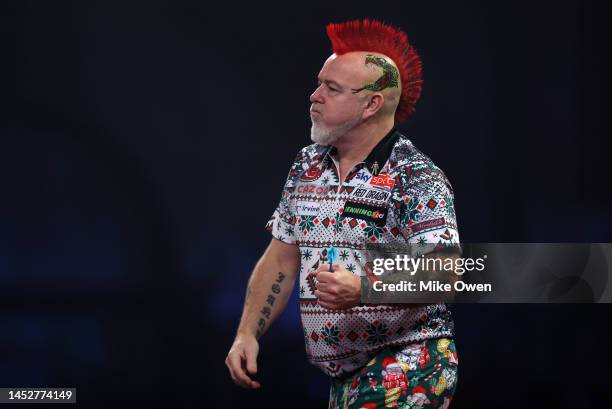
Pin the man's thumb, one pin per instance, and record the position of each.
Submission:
(251, 361)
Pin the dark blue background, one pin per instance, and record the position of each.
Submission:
(144, 147)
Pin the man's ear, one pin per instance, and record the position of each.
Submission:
(374, 103)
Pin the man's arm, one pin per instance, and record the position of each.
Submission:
(268, 291)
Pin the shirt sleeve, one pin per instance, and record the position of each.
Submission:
(427, 213)
(282, 223)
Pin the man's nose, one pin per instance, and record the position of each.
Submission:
(316, 95)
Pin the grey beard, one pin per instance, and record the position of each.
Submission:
(326, 136)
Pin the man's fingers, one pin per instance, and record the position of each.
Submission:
(250, 383)
(323, 276)
(231, 365)
(249, 363)
(235, 364)
(324, 298)
(251, 360)
(235, 367)
(325, 267)
(322, 287)
(328, 305)
(323, 295)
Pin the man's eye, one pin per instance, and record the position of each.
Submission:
(332, 89)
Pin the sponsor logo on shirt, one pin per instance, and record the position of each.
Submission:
(363, 176)
(383, 181)
(304, 208)
(372, 194)
(314, 189)
(429, 224)
(313, 173)
(366, 212)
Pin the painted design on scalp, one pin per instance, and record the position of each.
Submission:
(389, 79)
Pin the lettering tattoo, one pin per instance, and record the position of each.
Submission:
(389, 79)
(266, 310)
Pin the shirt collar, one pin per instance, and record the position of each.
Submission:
(380, 153)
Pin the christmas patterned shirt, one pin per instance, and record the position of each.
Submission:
(396, 196)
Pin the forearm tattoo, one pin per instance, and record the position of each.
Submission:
(389, 79)
(266, 310)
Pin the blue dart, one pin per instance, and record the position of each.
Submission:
(331, 255)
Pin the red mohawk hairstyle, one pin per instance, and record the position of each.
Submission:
(375, 36)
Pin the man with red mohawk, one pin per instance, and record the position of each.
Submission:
(361, 183)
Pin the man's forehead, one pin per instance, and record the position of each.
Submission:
(341, 68)
(344, 60)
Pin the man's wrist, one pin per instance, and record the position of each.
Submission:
(246, 333)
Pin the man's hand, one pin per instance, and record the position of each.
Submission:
(339, 289)
(242, 361)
